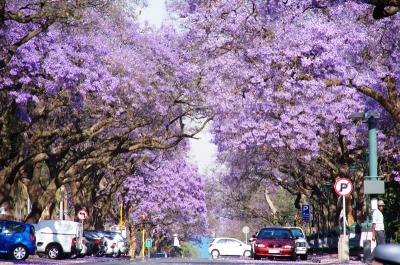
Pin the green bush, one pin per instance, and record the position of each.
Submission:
(397, 237)
(189, 251)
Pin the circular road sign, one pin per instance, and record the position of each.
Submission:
(83, 215)
(343, 187)
(245, 229)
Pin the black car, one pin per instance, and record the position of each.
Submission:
(94, 242)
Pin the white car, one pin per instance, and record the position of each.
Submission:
(228, 247)
(57, 238)
(116, 244)
(301, 242)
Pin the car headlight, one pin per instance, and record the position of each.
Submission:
(287, 246)
(260, 245)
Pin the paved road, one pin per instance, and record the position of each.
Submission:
(34, 260)
(227, 261)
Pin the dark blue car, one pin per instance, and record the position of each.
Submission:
(17, 239)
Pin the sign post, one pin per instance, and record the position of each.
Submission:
(305, 212)
(245, 230)
(306, 215)
(343, 187)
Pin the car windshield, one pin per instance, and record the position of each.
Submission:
(297, 233)
(273, 233)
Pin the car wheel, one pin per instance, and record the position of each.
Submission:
(257, 257)
(54, 252)
(116, 255)
(247, 253)
(215, 254)
(20, 253)
(293, 258)
(303, 257)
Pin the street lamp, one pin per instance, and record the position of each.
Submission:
(372, 183)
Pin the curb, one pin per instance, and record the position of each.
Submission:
(329, 261)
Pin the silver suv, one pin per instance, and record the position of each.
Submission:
(301, 242)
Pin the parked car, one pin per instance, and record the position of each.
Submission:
(84, 250)
(275, 242)
(228, 247)
(94, 243)
(116, 244)
(17, 239)
(387, 254)
(302, 246)
(58, 238)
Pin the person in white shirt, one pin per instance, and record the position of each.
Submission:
(378, 227)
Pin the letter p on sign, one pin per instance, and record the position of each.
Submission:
(343, 187)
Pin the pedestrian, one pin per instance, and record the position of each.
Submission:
(378, 227)
(177, 250)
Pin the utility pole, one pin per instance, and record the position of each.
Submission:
(120, 218)
(62, 204)
(143, 242)
(143, 224)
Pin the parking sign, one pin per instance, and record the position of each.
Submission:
(305, 211)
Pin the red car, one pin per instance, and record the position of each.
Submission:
(275, 242)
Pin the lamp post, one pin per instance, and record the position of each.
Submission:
(372, 185)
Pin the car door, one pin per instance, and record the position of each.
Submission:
(234, 247)
(222, 247)
(13, 234)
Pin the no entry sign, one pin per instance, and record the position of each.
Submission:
(343, 187)
(83, 215)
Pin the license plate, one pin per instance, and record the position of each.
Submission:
(274, 251)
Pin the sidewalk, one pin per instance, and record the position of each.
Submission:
(332, 259)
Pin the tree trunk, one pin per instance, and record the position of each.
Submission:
(41, 196)
(132, 239)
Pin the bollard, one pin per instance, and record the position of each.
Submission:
(343, 248)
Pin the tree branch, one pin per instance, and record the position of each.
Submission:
(13, 49)
(385, 8)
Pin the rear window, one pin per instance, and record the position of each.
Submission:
(274, 233)
(13, 228)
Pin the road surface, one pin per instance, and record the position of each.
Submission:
(34, 260)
